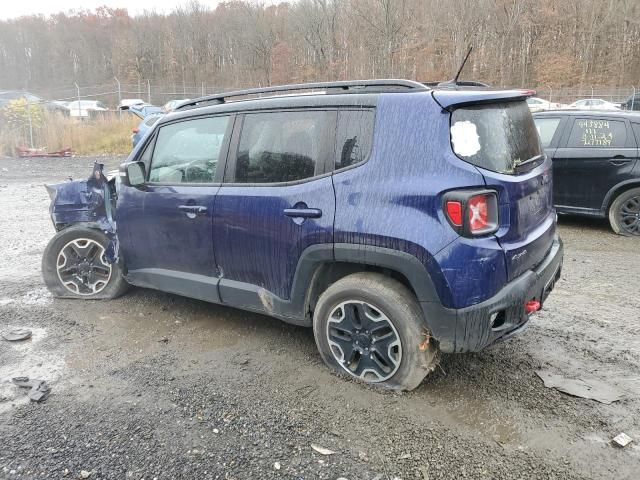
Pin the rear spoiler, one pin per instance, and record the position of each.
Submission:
(452, 99)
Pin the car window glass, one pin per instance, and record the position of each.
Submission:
(497, 137)
(150, 121)
(546, 129)
(636, 130)
(596, 133)
(354, 136)
(188, 151)
(281, 146)
(146, 155)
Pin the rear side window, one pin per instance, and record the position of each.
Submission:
(282, 146)
(188, 151)
(547, 129)
(498, 137)
(354, 137)
(596, 133)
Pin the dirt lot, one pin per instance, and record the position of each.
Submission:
(157, 386)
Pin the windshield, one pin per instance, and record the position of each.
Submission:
(498, 137)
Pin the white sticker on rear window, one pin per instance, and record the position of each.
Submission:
(465, 139)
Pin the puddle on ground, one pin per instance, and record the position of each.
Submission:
(141, 333)
(481, 417)
(26, 359)
(38, 296)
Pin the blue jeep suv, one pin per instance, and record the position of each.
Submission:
(397, 220)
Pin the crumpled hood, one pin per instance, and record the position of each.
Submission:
(87, 203)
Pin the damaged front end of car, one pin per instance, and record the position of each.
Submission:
(89, 203)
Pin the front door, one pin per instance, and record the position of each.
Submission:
(597, 152)
(276, 201)
(165, 225)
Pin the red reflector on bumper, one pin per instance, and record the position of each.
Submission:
(532, 306)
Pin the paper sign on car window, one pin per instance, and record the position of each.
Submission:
(465, 138)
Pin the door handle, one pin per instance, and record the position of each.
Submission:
(303, 212)
(619, 160)
(194, 209)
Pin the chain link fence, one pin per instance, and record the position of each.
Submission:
(567, 96)
(159, 94)
(39, 124)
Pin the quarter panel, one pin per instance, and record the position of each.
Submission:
(395, 199)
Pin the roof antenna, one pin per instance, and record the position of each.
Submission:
(464, 62)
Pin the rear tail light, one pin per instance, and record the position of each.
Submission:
(471, 212)
(135, 130)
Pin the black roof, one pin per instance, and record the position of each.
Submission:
(355, 93)
(275, 103)
(342, 87)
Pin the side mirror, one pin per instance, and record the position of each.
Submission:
(133, 174)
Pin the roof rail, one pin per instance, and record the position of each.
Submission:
(350, 86)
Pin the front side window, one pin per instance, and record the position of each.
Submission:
(188, 151)
(354, 137)
(282, 146)
(597, 133)
(547, 129)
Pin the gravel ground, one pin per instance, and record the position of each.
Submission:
(156, 386)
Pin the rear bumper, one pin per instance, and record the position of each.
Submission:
(502, 316)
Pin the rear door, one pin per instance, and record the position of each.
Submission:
(550, 130)
(165, 225)
(276, 201)
(596, 153)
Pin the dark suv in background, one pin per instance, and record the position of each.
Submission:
(395, 219)
(596, 171)
(632, 103)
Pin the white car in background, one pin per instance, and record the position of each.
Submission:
(85, 108)
(125, 103)
(539, 105)
(594, 104)
(172, 104)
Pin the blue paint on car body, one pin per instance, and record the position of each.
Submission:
(243, 246)
(88, 202)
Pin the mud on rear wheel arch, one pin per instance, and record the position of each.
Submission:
(319, 267)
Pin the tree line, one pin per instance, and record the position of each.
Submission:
(241, 43)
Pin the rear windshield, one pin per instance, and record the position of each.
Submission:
(498, 137)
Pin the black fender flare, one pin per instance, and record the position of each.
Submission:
(438, 319)
(613, 192)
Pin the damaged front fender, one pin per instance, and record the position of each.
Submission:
(89, 203)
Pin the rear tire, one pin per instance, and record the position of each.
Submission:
(74, 266)
(370, 327)
(624, 213)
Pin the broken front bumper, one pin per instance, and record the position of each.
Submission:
(502, 316)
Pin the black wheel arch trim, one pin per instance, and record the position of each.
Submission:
(313, 258)
(616, 190)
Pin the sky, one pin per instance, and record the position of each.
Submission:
(13, 9)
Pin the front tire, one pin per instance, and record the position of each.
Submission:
(370, 327)
(624, 213)
(74, 266)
